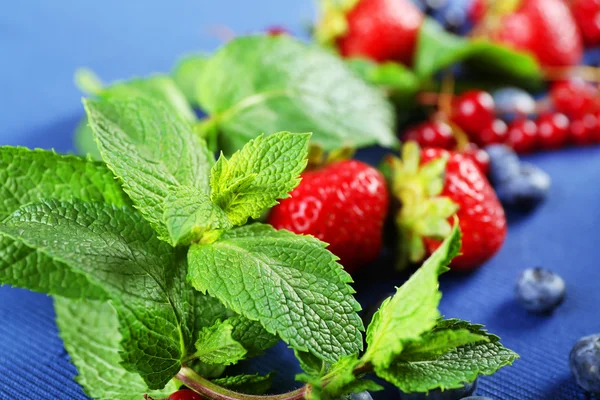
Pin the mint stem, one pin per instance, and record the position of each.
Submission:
(212, 391)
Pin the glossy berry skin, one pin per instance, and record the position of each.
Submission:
(584, 131)
(496, 132)
(504, 164)
(512, 101)
(382, 30)
(522, 135)
(584, 362)
(481, 216)
(343, 204)
(553, 130)
(526, 190)
(477, 398)
(437, 394)
(540, 290)
(454, 15)
(473, 111)
(360, 396)
(587, 16)
(477, 10)
(185, 395)
(432, 134)
(479, 157)
(574, 98)
(516, 31)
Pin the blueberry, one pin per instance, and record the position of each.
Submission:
(540, 290)
(360, 396)
(525, 190)
(504, 163)
(453, 15)
(476, 398)
(584, 361)
(437, 394)
(513, 101)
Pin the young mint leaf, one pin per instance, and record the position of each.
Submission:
(145, 278)
(311, 364)
(90, 332)
(150, 150)
(215, 345)
(189, 215)
(264, 170)
(438, 342)
(85, 143)
(453, 368)
(186, 75)
(205, 370)
(252, 335)
(412, 311)
(30, 175)
(306, 89)
(345, 379)
(289, 283)
(248, 384)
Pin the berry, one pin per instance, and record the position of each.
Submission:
(587, 16)
(477, 11)
(495, 132)
(361, 396)
(525, 190)
(277, 31)
(185, 395)
(437, 394)
(479, 156)
(553, 130)
(473, 111)
(574, 98)
(584, 361)
(584, 131)
(540, 290)
(432, 134)
(504, 164)
(381, 30)
(476, 398)
(343, 204)
(481, 216)
(511, 101)
(522, 135)
(516, 31)
(453, 15)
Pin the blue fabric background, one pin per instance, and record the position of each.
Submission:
(41, 44)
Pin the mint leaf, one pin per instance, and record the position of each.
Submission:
(85, 143)
(90, 331)
(215, 345)
(150, 150)
(453, 368)
(186, 75)
(248, 384)
(264, 170)
(251, 335)
(311, 364)
(438, 49)
(260, 84)
(288, 282)
(30, 175)
(345, 380)
(438, 342)
(189, 215)
(412, 311)
(145, 278)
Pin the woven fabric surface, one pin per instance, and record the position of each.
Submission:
(42, 42)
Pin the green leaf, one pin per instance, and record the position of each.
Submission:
(248, 384)
(345, 380)
(190, 215)
(389, 75)
(31, 175)
(268, 84)
(288, 282)
(311, 364)
(438, 342)
(150, 150)
(145, 278)
(205, 370)
(85, 144)
(438, 49)
(264, 170)
(215, 345)
(412, 311)
(252, 335)
(187, 73)
(453, 368)
(90, 331)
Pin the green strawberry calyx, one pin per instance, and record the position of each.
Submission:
(332, 23)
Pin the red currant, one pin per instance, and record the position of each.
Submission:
(553, 130)
(432, 134)
(495, 132)
(473, 111)
(185, 394)
(479, 156)
(522, 135)
(584, 130)
(574, 98)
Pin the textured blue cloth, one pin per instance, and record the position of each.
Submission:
(41, 44)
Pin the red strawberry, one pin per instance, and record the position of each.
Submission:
(587, 15)
(381, 30)
(547, 29)
(343, 204)
(480, 214)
